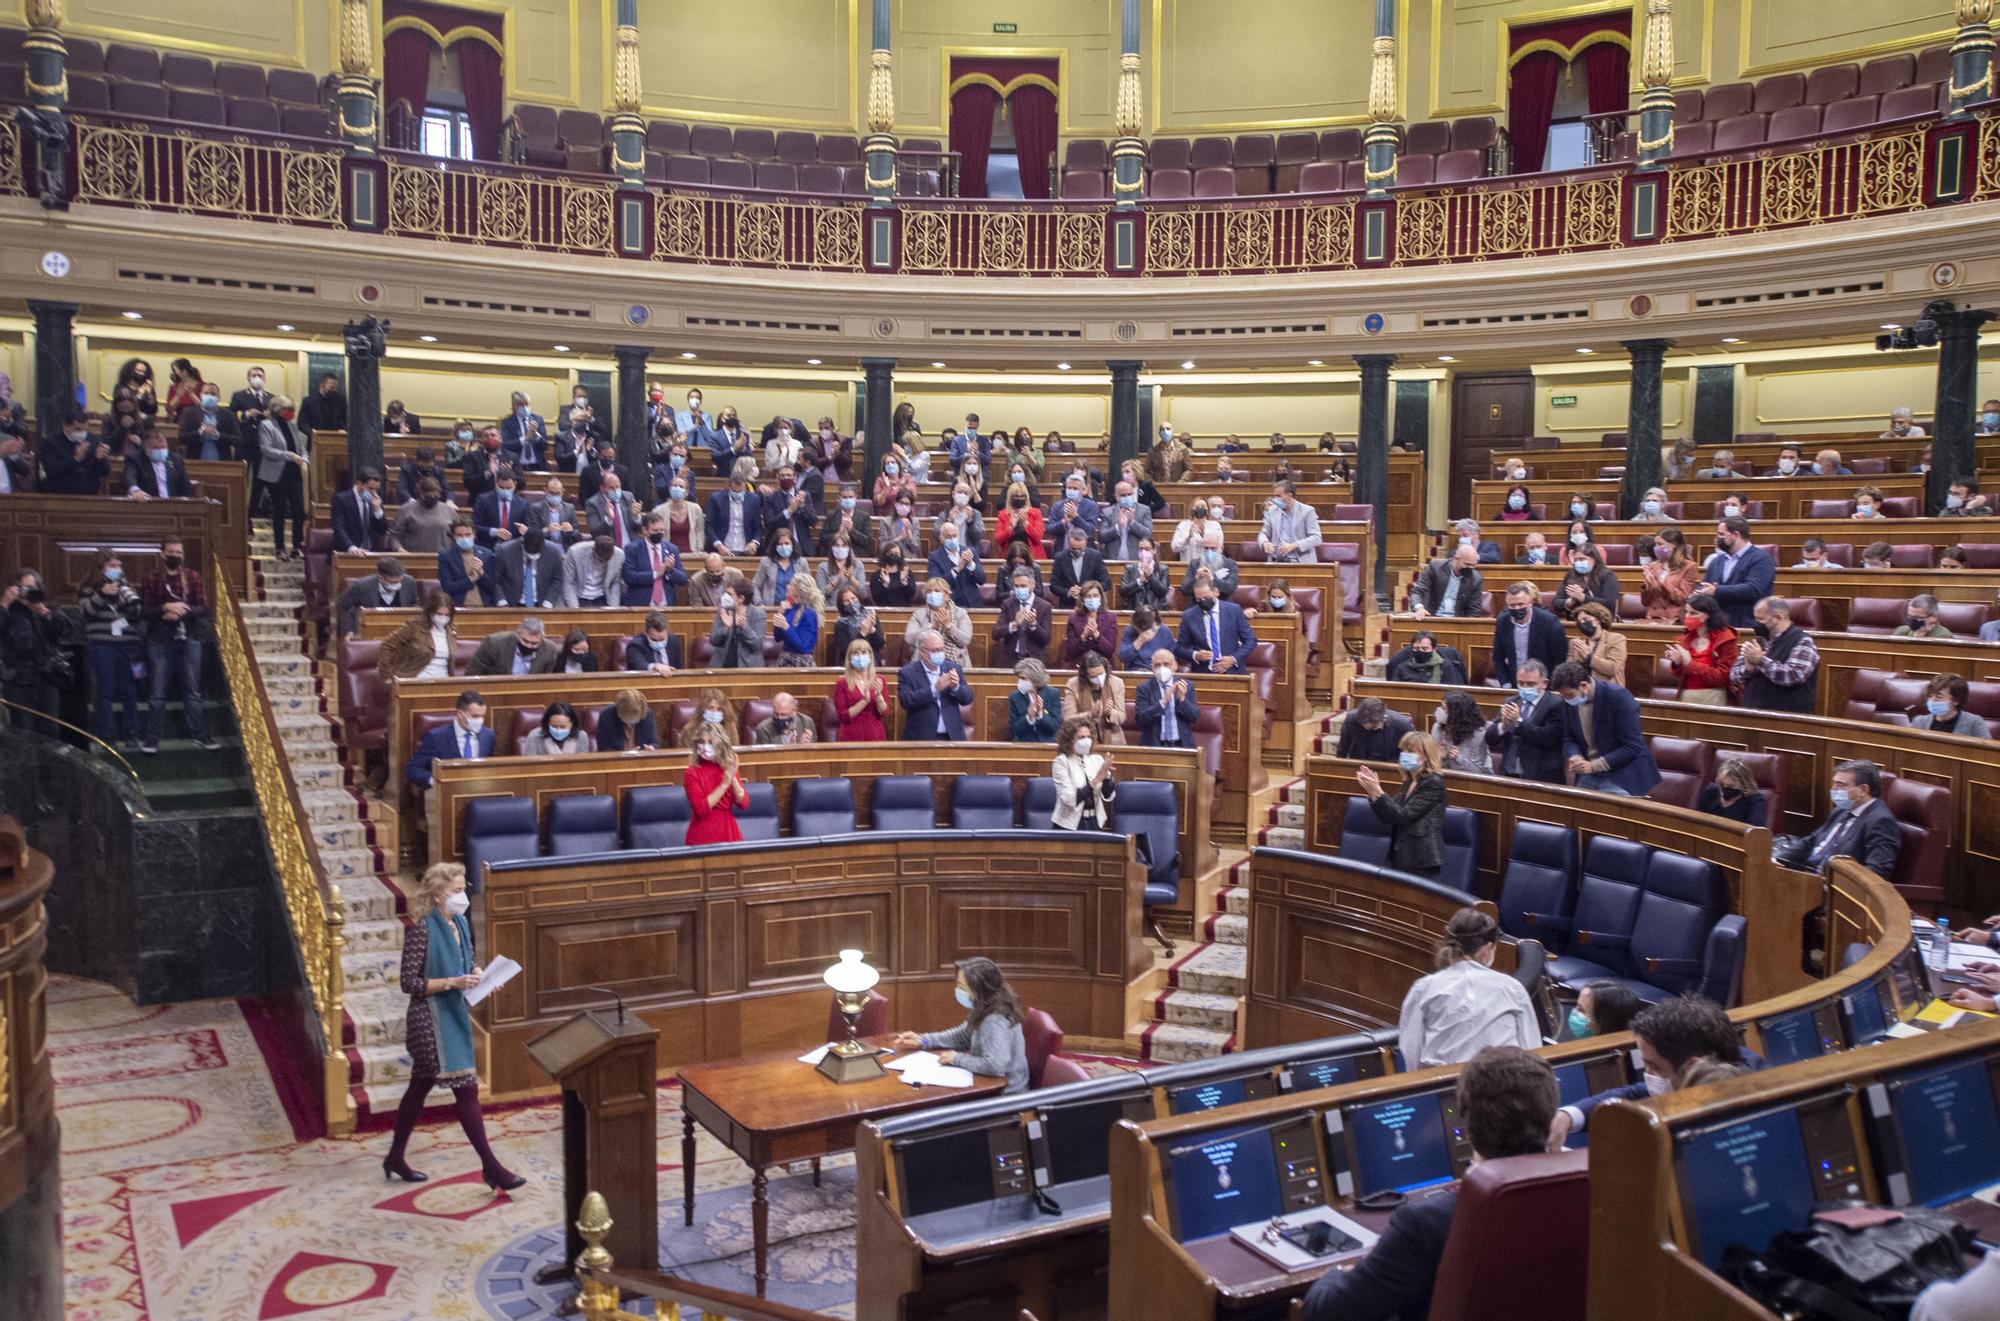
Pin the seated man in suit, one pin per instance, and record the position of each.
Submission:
(1526, 738)
(1861, 826)
(465, 565)
(933, 693)
(1371, 731)
(524, 436)
(1738, 575)
(501, 514)
(1074, 565)
(653, 565)
(357, 515)
(1527, 631)
(1604, 748)
(1506, 1101)
(654, 650)
(1671, 1035)
(528, 571)
(1534, 549)
(208, 430)
(1450, 588)
(958, 564)
(422, 463)
(524, 650)
(784, 726)
(465, 738)
(561, 522)
(1468, 535)
(384, 589)
(1167, 709)
(1215, 635)
(157, 473)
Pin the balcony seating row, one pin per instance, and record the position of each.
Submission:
(150, 84)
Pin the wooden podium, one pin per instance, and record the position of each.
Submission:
(605, 1064)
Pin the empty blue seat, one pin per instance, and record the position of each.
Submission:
(656, 817)
(903, 802)
(498, 830)
(982, 802)
(823, 807)
(1461, 848)
(1038, 805)
(1147, 809)
(1540, 882)
(582, 823)
(1363, 835)
(760, 819)
(1682, 901)
(1722, 962)
(1607, 904)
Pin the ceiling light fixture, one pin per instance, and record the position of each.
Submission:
(1062, 366)
(1886, 325)
(561, 348)
(937, 364)
(686, 354)
(1314, 362)
(1586, 350)
(428, 339)
(134, 316)
(1446, 357)
(1731, 339)
(812, 362)
(286, 326)
(1187, 366)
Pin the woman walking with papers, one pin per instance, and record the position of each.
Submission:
(989, 1041)
(438, 969)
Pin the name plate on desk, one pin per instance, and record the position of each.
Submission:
(1285, 1249)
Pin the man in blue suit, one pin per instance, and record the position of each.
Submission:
(524, 436)
(357, 514)
(1671, 1035)
(1604, 748)
(1525, 631)
(465, 738)
(1506, 1099)
(934, 694)
(464, 565)
(735, 517)
(653, 566)
(958, 564)
(1167, 709)
(1215, 635)
(1738, 575)
(500, 514)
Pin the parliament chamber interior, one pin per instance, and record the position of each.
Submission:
(1063, 661)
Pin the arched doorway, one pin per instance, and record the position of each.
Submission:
(1003, 121)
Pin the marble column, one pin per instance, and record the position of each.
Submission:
(628, 130)
(1642, 423)
(47, 58)
(1126, 442)
(1384, 138)
(878, 395)
(1972, 56)
(55, 364)
(1371, 472)
(367, 343)
(879, 147)
(1957, 405)
(1656, 71)
(635, 447)
(354, 94)
(1128, 152)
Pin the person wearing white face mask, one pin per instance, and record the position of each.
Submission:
(990, 1042)
(157, 473)
(1085, 788)
(687, 523)
(714, 785)
(933, 693)
(421, 647)
(561, 734)
(1146, 580)
(438, 968)
(1096, 695)
(1653, 507)
(1034, 708)
(1414, 814)
(1167, 709)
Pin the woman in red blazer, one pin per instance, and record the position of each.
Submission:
(1020, 519)
(714, 789)
(1705, 653)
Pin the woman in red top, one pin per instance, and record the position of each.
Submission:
(1020, 520)
(1704, 654)
(714, 790)
(858, 700)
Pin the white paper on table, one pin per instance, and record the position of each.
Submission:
(498, 973)
(916, 1059)
(815, 1055)
(1902, 1031)
(940, 1075)
(1964, 952)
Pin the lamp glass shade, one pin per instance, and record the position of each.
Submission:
(851, 976)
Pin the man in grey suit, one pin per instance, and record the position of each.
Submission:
(1124, 525)
(591, 572)
(528, 571)
(1291, 527)
(562, 524)
(612, 512)
(384, 589)
(525, 650)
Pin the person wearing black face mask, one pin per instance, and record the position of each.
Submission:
(32, 664)
(175, 613)
(1738, 575)
(1424, 661)
(1525, 631)
(891, 585)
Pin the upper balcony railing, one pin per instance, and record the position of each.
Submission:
(1900, 167)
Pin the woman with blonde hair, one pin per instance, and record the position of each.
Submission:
(940, 612)
(714, 786)
(438, 969)
(860, 702)
(1465, 1006)
(1415, 814)
(1034, 711)
(711, 711)
(798, 626)
(1021, 521)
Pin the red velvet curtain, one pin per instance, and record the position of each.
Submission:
(1531, 103)
(1607, 71)
(1034, 111)
(406, 68)
(972, 108)
(485, 108)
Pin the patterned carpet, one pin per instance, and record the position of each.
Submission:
(186, 1197)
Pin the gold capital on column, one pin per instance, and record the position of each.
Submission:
(46, 13)
(1656, 61)
(1382, 86)
(357, 45)
(1974, 11)
(625, 95)
(881, 94)
(1126, 117)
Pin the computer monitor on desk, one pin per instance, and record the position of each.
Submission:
(1398, 1145)
(1579, 1079)
(1218, 1092)
(1867, 1012)
(1937, 1132)
(1227, 1177)
(1747, 1178)
(961, 1167)
(1312, 1072)
(1072, 1142)
(1802, 1034)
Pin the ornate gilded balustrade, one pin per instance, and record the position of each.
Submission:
(1890, 170)
(314, 907)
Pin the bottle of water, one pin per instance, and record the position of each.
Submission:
(1937, 951)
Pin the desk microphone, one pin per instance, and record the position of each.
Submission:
(614, 995)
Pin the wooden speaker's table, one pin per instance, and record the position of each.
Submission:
(770, 1109)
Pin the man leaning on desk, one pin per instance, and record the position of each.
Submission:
(1507, 1098)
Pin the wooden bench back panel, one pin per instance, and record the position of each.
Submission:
(1788, 535)
(61, 534)
(1580, 462)
(227, 483)
(1783, 497)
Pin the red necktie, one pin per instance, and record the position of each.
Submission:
(617, 513)
(659, 583)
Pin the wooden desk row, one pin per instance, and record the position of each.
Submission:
(1841, 655)
(1788, 535)
(722, 949)
(1582, 462)
(1783, 497)
(1835, 590)
(60, 535)
(1811, 747)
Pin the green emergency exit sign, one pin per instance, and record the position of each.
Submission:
(1006, 28)
(1562, 401)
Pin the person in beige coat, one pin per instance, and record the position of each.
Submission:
(1598, 644)
(1098, 696)
(423, 647)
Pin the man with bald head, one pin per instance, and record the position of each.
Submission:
(934, 694)
(1450, 588)
(1167, 709)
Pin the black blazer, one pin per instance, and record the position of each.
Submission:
(1874, 840)
(611, 731)
(1749, 808)
(139, 474)
(351, 531)
(1396, 1276)
(1546, 643)
(1063, 576)
(1372, 744)
(1534, 750)
(639, 655)
(1416, 824)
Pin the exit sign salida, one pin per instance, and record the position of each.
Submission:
(1004, 29)
(1562, 401)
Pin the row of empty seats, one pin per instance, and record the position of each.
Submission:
(1796, 123)
(192, 89)
(1436, 150)
(1825, 86)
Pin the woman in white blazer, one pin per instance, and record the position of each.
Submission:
(1084, 787)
